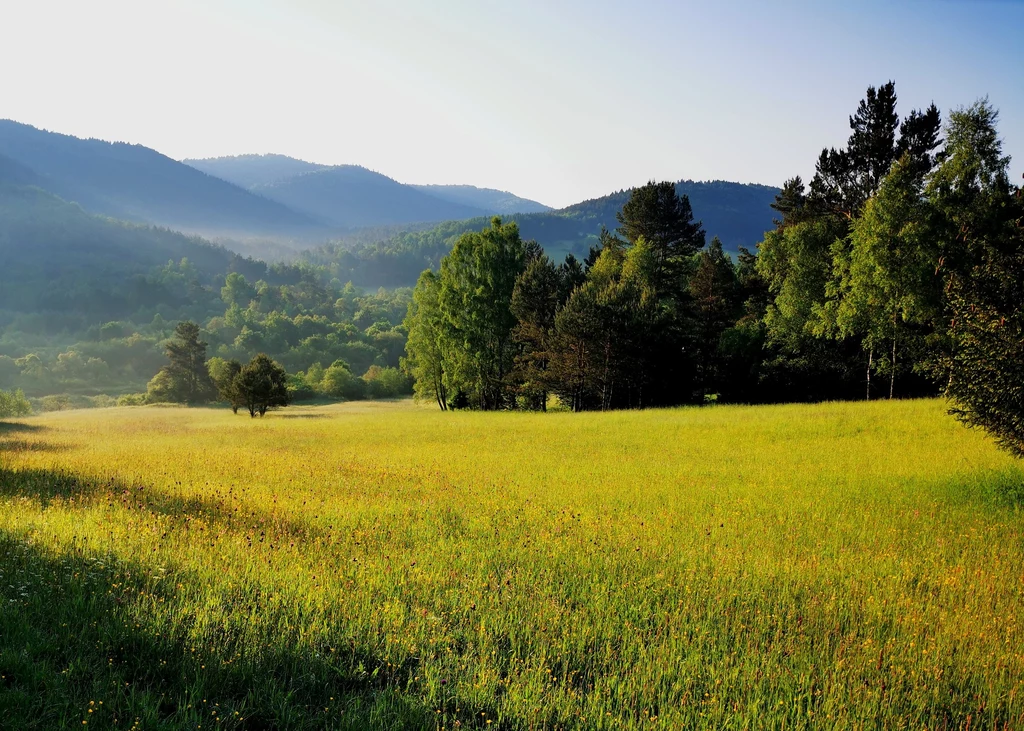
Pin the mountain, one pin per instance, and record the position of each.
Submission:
(138, 184)
(349, 196)
(329, 196)
(249, 171)
(14, 173)
(737, 213)
(494, 201)
(55, 257)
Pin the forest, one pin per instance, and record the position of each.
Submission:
(898, 271)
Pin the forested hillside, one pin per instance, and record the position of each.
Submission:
(349, 196)
(248, 171)
(272, 171)
(86, 303)
(138, 184)
(487, 199)
(737, 214)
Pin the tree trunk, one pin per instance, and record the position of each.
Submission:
(871, 360)
(892, 364)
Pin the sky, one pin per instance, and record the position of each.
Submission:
(554, 100)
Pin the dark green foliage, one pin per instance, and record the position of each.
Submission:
(223, 373)
(262, 384)
(846, 178)
(656, 213)
(982, 233)
(185, 379)
(535, 300)
(716, 305)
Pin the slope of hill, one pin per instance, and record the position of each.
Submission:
(737, 213)
(487, 199)
(55, 257)
(136, 183)
(14, 173)
(249, 171)
(276, 171)
(350, 196)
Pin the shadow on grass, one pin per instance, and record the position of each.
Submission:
(13, 427)
(77, 626)
(75, 646)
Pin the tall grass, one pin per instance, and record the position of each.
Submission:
(828, 566)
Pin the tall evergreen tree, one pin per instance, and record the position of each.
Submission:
(185, 379)
(665, 220)
(535, 300)
(845, 179)
(713, 288)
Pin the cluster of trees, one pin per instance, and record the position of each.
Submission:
(261, 384)
(299, 321)
(638, 323)
(188, 378)
(14, 403)
(898, 271)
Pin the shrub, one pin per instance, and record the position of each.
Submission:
(14, 403)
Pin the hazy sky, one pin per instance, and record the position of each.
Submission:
(557, 101)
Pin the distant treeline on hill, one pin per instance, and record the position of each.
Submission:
(737, 214)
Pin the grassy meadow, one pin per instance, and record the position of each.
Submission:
(389, 566)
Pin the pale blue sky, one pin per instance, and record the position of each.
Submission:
(557, 101)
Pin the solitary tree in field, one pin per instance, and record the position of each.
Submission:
(262, 385)
(185, 379)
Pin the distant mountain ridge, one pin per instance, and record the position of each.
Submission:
(349, 196)
(333, 197)
(136, 183)
(56, 257)
(497, 201)
(737, 213)
(249, 171)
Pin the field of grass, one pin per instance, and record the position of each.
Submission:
(388, 566)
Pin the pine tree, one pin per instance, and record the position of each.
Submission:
(665, 220)
(185, 379)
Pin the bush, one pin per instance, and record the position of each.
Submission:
(132, 399)
(14, 403)
(387, 382)
(339, 382)
(56, 402)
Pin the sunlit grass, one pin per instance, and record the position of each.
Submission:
(387, 566)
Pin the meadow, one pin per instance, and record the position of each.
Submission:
(387, 566)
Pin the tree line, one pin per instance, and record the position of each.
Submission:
(898, 271)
